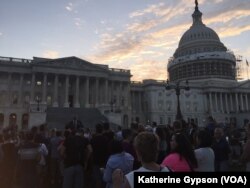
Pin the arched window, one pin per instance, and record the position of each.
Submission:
(25, 121)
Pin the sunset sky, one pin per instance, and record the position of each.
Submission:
(140, 35)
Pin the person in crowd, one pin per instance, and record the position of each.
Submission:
(204, 153)
(87, 133)
(76, 152)
(118, 159)
(1, 157)
(163, 146)
(211, 125)
(177, 126)
(99, 143)
(192, 129)
(9, 159)
(75, 124)
(182, 157)
(221, 150)
(146, 155)
(245, 157)
(55, 140)
(118, 134)
(107, 132)
(127, 143)
(29, 157)
(42, 162)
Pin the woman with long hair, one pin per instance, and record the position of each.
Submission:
(182, 157)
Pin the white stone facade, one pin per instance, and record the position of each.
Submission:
(225, 100)
(29, 87)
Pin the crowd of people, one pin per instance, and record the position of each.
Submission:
(77, 157)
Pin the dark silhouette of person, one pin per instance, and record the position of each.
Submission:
(75, 124)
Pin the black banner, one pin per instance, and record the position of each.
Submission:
(201, 179)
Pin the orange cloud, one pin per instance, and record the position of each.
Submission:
(153, 33)
(145, 69)
(51, 54)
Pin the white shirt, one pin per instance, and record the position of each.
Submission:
(130, 175)
(205, 159)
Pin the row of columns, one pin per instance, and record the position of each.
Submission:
(104, 89)
(97, 88)
(227, 102)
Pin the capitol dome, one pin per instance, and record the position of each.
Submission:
(201, 54)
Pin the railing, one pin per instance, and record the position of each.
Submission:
(206, 55)
(119, 70)
(15, 60)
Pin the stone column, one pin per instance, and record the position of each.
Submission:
(210, 102)
(112, 91)
(33, 82)
(128, 100)
(66, 101)
(242, 104)
(216, 102)
(139, 100)
(221, 103)
(247, 102)
(87, 92)
(237, 102)
(77, 104)
(9, 93)
(106, 92)
(44, 98)
(55, 101)
(96, 92)
(231, 102)
(227, 107)
(133, 101)
(20, 92)
(119, 96)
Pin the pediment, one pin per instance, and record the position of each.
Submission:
(73, 63)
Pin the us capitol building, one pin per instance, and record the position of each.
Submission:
(42, 90)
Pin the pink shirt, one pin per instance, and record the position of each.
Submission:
(176, 163)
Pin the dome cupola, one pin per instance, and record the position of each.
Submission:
(201, 45)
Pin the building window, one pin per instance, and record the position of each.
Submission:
(25, 121)
(49, 100)
(28, 82)
(15, 99)
(160, 105)
(12, 120)
(169, 120)
(161, 120)
(27, 99)
(168, 106)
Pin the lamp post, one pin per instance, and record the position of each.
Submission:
(38, 100)
(177, 87)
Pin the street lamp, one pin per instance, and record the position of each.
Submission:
(177, 88)
(38, 100)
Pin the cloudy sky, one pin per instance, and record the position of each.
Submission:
(140, 35)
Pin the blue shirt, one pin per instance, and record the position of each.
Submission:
(123, 161)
